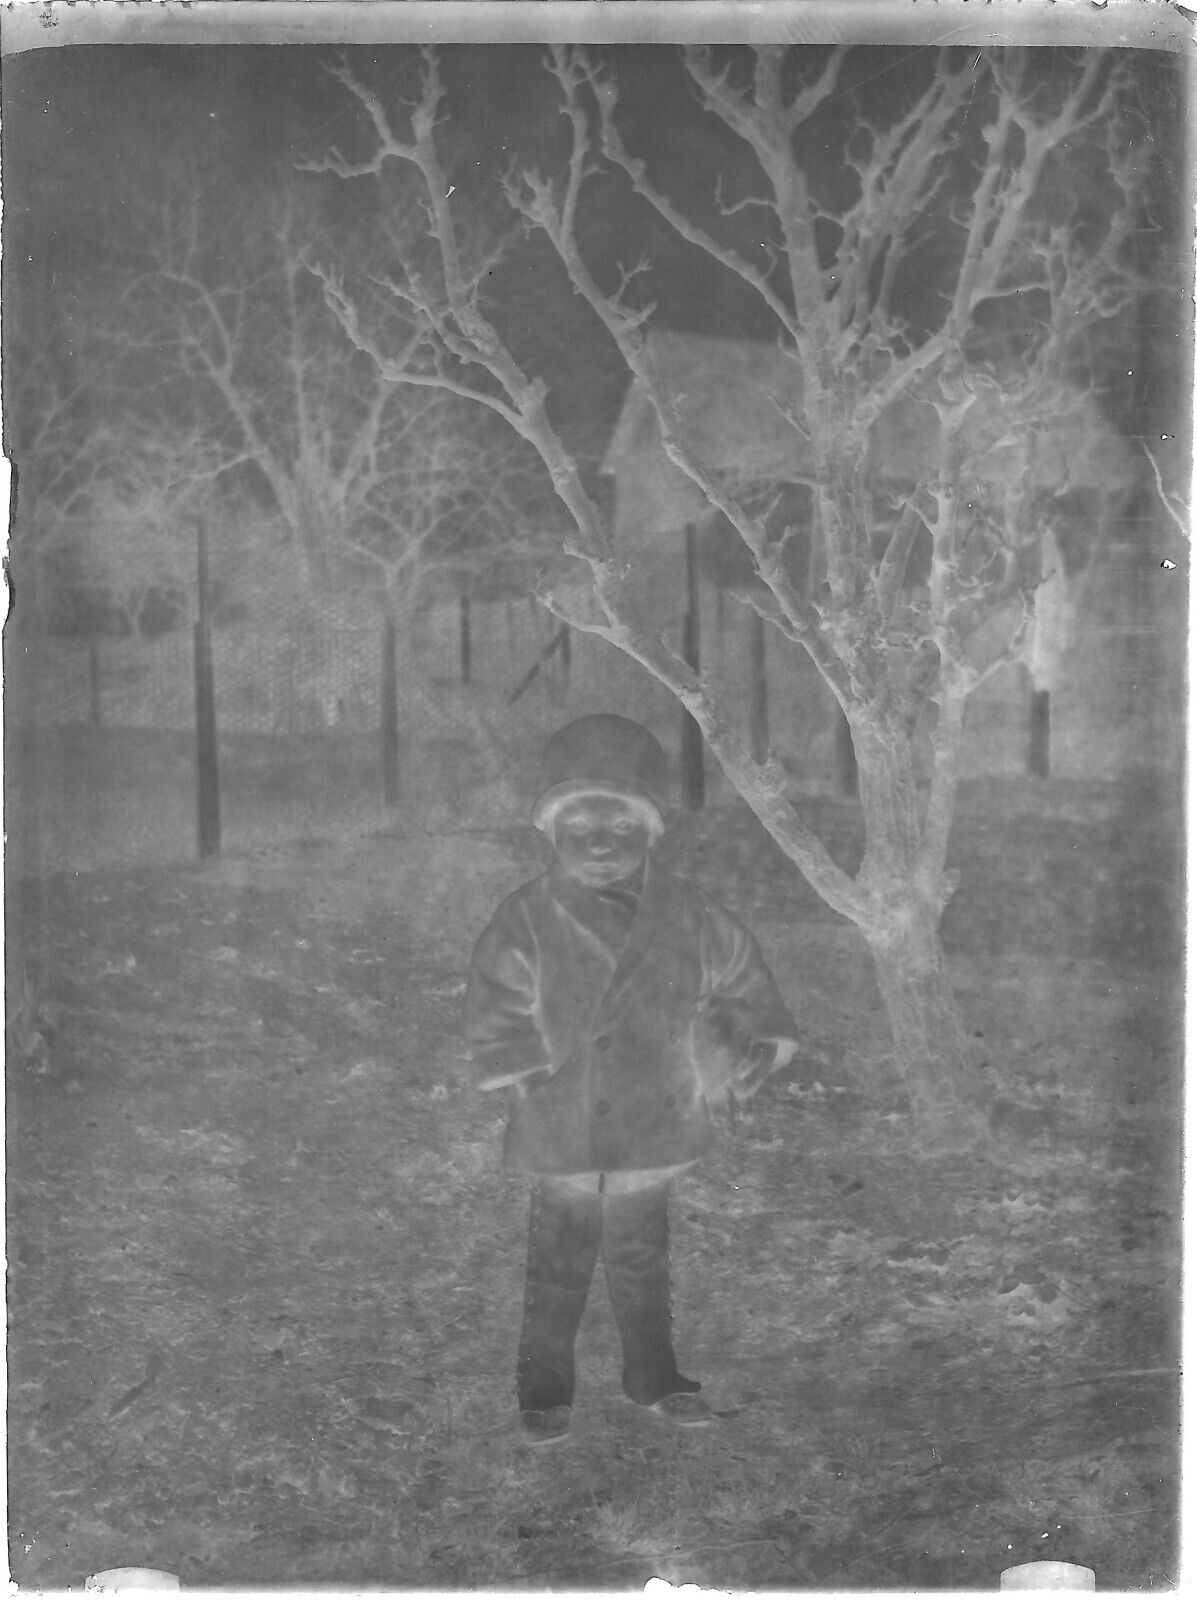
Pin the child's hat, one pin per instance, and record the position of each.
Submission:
(602, 754)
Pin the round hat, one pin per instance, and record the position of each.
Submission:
(602, 754)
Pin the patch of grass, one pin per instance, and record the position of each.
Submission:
(257, 1153)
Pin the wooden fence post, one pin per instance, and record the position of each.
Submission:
(388, 725)
(758, 705)
(93, 677)
(467, 647)
(1039, 752)
(207, 765)
(693, 776)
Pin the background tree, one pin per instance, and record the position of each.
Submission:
(241, 342)
(136, 545)
(217, 366)
(110, 482)
(369, 481)
(458, 503)
(62, 451)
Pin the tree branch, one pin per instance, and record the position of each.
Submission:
(617, 153)
(537, 204)
(768, 129)
(1172, 504)
(891, 569)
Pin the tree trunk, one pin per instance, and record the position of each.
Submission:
(693, 775)
(909, 889)
(1039, 750)
(758, 708)
(930, 1048)
(466, 639)
(388, 725)
(207, 770)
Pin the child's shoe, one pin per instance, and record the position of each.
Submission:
(546, 1427)
(684, 1410)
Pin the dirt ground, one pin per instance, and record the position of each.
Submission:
(265, 1272)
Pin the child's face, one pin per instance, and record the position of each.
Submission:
(600, 838)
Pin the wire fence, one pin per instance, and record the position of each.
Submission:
(321, 676)
(321, 672)
(101, 733)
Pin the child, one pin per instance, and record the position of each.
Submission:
(614, 1003)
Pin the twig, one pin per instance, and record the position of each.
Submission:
(1123, 1372)
(1165, 498)
(153, 1368)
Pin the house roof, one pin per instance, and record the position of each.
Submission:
(735, 398)
(731, 396)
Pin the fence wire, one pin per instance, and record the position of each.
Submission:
(1119, 703)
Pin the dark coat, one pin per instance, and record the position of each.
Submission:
(558, 980)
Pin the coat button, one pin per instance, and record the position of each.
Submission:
(601, 1107)
(603, 1042)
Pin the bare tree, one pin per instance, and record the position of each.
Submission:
(907, 602)
(241, 341)
(458, 501)
(137, 539)
(60, 446)
(218, 366)
(455, 496)
(361, 472)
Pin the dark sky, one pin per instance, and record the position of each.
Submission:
(79, 118)
(84, 126)
(80, 122)
(87, 127)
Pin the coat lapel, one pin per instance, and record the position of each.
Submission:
(605, 928)
(614, 955)
(651, 933)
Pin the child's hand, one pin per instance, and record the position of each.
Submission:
(731, 1062)
(766, 1057)
(720, 1045)
(524, 1086)
(726, 1029)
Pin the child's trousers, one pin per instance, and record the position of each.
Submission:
(568, 1229)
